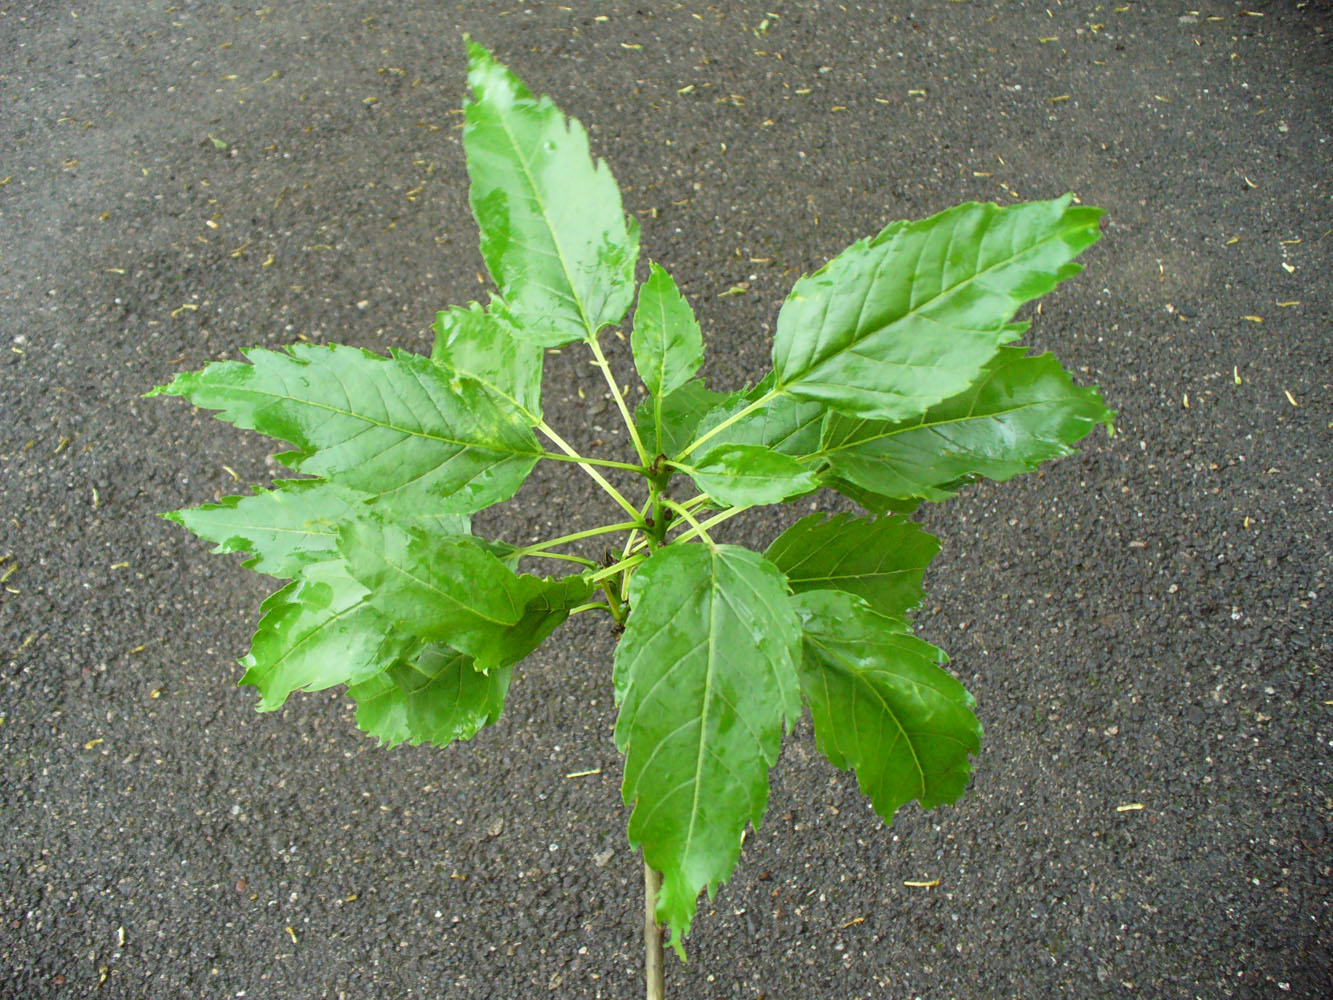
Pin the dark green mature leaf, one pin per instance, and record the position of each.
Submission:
(882, 705)
(705, 679)
(448, 589)
(436, 697)
(553, 234)
(667, 342)
(401, 429)
(873, 502)
(320, 631)
(546, 609)
(744, 475)
(1021, 412)
(881, 560)
(894, 325)
(681, 412)
(482, 345)
(284, 529)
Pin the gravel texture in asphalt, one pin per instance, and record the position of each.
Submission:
(1145, 625)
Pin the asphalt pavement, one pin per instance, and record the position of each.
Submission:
(1145, 625)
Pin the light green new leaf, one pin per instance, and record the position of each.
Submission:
(705, 679)
(881, 704)
(437, 697)
(482, 345)
(553, 234)
(1021, 412)
(318, 631)
(284, 529)
(894, 325)
(447, 589)
(743, 475)
(402, 429)
(667, 432)
(667, 342)
(881, 560)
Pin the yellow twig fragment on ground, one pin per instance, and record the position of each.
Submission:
(1130, 807)
(921, 885)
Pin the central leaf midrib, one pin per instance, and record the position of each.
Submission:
(406, 431)
(403, 571)
(555, 239)
(811, 373)
(858, 679)
(851, 441)
(707, 703)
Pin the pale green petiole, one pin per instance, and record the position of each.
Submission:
(539, 548)
(694, 445)
(618, 397)
(697, 528)
(597, 477)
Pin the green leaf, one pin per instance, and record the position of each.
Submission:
(436, 698)
(401, 429)
(681, 412)
(881, 560)
(285, 529)
(786, 424)
(1021, 412)
(744, 475)
(667, 342)
(482, 345)
(882, 705)
(705, 679)
(319, 631)
(873, 502)
(894, 325)
(448, 589)
(553, 233)
(546, 609)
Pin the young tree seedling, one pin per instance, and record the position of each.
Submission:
(895, 380)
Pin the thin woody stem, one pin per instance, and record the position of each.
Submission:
(652, 935)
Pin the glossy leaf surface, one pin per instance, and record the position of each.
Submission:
(1022, 411)
(743, 475)
(436, 697)
(881, 560)
(882, 704)
(705, 679)
(401, 429)
(317, 632)
(896, 324)
(483, 346)
(438, 588)
(553, 234)
(667, 342)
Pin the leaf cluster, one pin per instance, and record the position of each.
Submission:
(894, 381)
